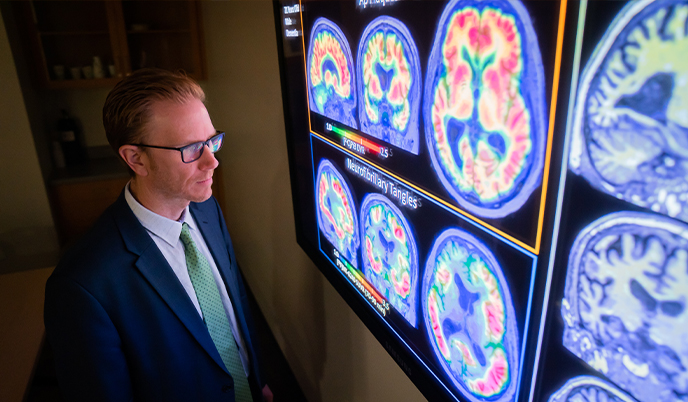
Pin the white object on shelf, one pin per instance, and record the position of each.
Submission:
(98, 71)
(76, 72)
(88, 71)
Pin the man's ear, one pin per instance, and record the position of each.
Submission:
(135, 158)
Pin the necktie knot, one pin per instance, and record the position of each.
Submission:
(185, 236)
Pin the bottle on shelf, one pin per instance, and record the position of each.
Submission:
(98, 71)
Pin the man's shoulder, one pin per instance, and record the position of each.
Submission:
(100, 250)
(209, 208)
(209, 211)
(208, 215)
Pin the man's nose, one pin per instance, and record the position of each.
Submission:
(208, 161)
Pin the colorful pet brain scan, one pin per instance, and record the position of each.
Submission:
(335, 209)
(630, 125)
(330, 71)
(389, 83)
(484, 106)
(390, 257)
(470, 317)
(589, 389)
(624, 305)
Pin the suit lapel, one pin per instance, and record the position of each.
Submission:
(155, 268)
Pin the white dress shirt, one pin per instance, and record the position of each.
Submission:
(165, 233)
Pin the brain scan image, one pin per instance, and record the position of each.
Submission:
(630, 125)
(336, 214)
(389, 83)
(624, 305)
(589, 389)
(390, 257)
(470, 317)
(330, 71)
(484, 106)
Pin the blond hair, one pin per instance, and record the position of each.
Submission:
(127, 109)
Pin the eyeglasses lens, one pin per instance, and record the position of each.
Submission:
(216, 142)
(192, 152)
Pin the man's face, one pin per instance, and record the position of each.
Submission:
(171, 182)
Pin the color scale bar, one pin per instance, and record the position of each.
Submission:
(364, 282)
(357, 139)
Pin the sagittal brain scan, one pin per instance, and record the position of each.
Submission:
(336, 214)
(470, 317)
(589, 389)
(624, 305)
(331, 79)
(389, 83)
(390, 258)
(484, 106)
(630, 128)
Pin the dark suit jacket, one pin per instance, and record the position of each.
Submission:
(122, 326)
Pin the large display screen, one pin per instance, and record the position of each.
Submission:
(497, 188)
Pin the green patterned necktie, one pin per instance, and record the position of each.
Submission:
(214, 314)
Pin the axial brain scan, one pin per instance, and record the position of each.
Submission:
(389, 83)
(484, 106)
(630, 127)
(336, 217)
(331, 81)
(470, 317)
(589, 389)
(624, 305)
(390, 259)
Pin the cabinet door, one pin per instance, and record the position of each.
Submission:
(164, 34)
(64, 37)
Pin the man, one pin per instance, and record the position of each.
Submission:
(150, 305)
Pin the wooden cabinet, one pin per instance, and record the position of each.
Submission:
(124, 35)
(79, 204)
(164, 34)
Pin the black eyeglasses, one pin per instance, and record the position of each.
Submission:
(193, 152)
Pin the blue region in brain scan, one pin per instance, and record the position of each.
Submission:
(470, 317)
(484, 106)
(589, 389)
(630, 126)
(624, 305)
(337, 218)
(389, 83)
(390, 257)
(330, 71)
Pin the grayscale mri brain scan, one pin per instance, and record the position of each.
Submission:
(624, 305)
(589, 389)
(630, 128)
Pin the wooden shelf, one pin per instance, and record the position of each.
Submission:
(82, 83)
(72, 33)
(158, 31)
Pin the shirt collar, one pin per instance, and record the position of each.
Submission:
(165, 228)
